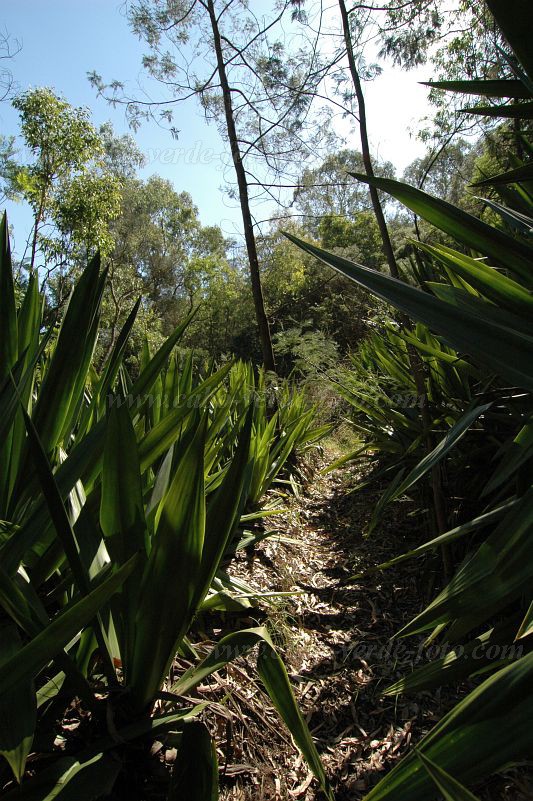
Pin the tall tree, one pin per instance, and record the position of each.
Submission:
(365, 145)
(242, 183)
(162, 253)
(245, 81)
(357, 27)
(72, 196)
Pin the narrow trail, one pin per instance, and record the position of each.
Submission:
(338, 648)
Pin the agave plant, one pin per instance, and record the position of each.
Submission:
(482, 309)
(120, 497)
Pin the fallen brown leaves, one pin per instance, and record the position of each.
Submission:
(336, 642)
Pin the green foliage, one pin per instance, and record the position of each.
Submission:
(445, 173)
(360, 238)
(7, 164)
(66, 184)
(325, 189)
(84, 194)
(122, 499)
(473, 336)
(298, 297)
(413, 34)
(162, 252)
(305, 352)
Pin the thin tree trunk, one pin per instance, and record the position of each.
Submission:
(251, 246)
(33, 246)
(38, 218)
(365, 148)
(417, 366)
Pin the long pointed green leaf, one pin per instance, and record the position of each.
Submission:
(442, 539)
(65, 531)
(18, 711)
(121, 507)
(496, 88)
(170, 578)
(518, 452)
(195, 771)
(152, 369)
(8, 311)
(492, 284)
(84, 460)
(122, 517)
(515, 111)
(224, 511)
(450, 788)
(41, 649)
(159, 439)
(11, 389)
(431, 459)
(276, 681)
(65, 378)
(518, 174)
(115, 360)
(473, 593)
(228, 648)
(56, 507)
(461, 661)
(474, 233)
(71, 779)
(526, 626)
(518, 222)
(516, 22)
(274, 677)
(30, 318)
(109, 374)
(486, 731)
(503, 350)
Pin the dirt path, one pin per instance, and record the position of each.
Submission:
(338, 649)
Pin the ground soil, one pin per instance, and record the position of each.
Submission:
(337, 641)
(337, 644)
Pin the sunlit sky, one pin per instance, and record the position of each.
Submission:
(62, 40)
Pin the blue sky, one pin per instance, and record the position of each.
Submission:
(62, 40)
